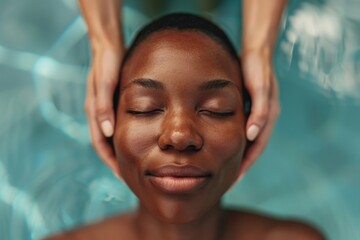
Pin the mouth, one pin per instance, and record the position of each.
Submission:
(178, 179)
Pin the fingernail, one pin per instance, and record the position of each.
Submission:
(252, 132)
(107, 128)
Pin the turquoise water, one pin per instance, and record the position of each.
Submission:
(51, 179)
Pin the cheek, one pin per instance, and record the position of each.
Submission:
(227, 145)
(134, 141)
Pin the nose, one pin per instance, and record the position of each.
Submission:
(180, 133)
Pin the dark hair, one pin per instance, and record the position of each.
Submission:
(182, 22)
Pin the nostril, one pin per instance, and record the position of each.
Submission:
(168, 147)
(180, 139)
(191, 148)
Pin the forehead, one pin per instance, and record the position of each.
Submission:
(182, 39)
(181, 52)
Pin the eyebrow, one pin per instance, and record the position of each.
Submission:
(215, 84)
(147, 83)
(157, 85)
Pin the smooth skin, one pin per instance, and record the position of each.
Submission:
(181, 104)
(261, 20)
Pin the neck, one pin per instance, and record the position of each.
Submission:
(210, 226)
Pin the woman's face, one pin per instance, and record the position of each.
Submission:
(179, 135)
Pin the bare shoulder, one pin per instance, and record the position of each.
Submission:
(109, 228)
(296, 230)
(253, 225)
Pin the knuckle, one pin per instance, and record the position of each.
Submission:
(258, 87)
(102, 109)
(111, 81)
(107, 80)
(263, 114)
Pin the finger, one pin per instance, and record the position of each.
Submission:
(258, 146)
(101, 145)
(258, 115)
(259, 111)
(258, 83)
(105, 83)
(99, 142)
(90, 94)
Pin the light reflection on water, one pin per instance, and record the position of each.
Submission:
(323, 40)
(51, 179)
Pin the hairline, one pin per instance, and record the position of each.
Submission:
(218, 41)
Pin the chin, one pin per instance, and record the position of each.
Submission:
(180, 209)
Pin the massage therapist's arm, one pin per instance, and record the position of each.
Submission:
(261, 19)
(105, 32)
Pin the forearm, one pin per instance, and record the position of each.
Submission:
(261, 19)
(102, 18)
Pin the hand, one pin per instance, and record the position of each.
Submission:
(101, 83)
(261, 83)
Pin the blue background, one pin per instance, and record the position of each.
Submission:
(51, 179)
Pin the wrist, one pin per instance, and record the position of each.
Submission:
(105, 34)
(112, 41)
(265, 50)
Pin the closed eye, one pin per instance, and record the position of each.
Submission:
(145, 113)
(218, 114)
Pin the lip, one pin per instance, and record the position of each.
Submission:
(178, 179)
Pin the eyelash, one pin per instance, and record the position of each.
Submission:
(155, 111)
(148, 113)
(219, 114)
